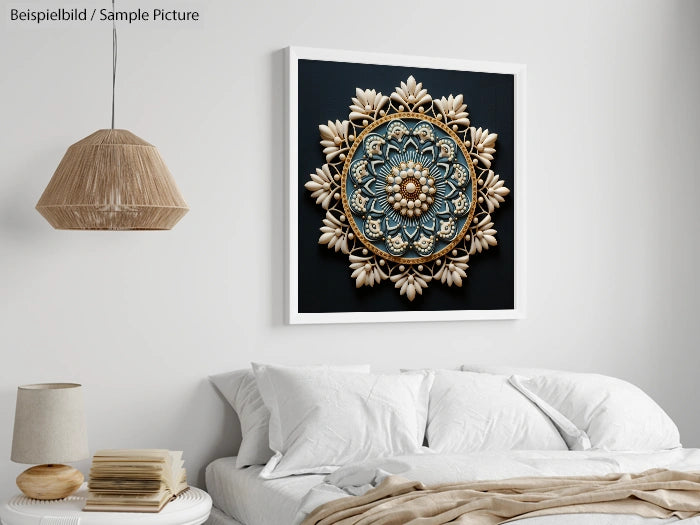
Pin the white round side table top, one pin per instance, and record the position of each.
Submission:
(189, 508)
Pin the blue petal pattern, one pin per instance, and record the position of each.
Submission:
(409, 188)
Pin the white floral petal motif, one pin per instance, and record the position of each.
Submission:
(410, 282)
(400, 280)
(411, 292)
(322, 186)
(483, 222)
(482, 236)
(453, 270)
(334, 233)
(330, 131)
(484, 161)
(439, 104)
(453, 110)
(380, 101)
(493, 191)
(366, 106)
(460, 122)
(366, 271)
(404, 287)
(330, 224)
(440, 274)
(483, 142)
(358, 113)
(490, 139)
(326, 236)
(411, 95)
(475, 246)
(411, 83)
(334, 139)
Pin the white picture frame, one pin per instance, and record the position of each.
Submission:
(294, 316)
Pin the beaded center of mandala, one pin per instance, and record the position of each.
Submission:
(410, 188)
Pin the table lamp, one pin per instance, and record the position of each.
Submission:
(49, 430)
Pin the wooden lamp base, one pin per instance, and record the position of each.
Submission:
(49, 482)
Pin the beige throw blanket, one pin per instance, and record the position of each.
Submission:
(657, 493)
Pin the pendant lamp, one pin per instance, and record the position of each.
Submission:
(112, 180)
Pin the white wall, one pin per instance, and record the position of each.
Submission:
(141, 319)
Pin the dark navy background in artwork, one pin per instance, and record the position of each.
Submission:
(325, 89)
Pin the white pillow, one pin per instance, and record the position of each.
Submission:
(471, 412)
(574, 437)
(503, 370)
(321, 419)
(241, 391)
(615, 414)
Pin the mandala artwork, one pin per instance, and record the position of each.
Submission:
(408, 188)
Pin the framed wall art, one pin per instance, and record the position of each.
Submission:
(405, 188)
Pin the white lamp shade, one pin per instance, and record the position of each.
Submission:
(49, 424)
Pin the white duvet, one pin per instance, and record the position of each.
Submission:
(431, 469)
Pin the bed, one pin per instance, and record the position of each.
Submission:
(241, 496)
(317, 436)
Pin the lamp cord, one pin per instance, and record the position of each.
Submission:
(114, 60)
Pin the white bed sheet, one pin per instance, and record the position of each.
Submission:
(243, 498)
(217, 517)
(251, 500)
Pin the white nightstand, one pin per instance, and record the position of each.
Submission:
(190, 508)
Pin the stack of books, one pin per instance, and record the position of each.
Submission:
(134, 480)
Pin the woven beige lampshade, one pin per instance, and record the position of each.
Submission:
(112, 180)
